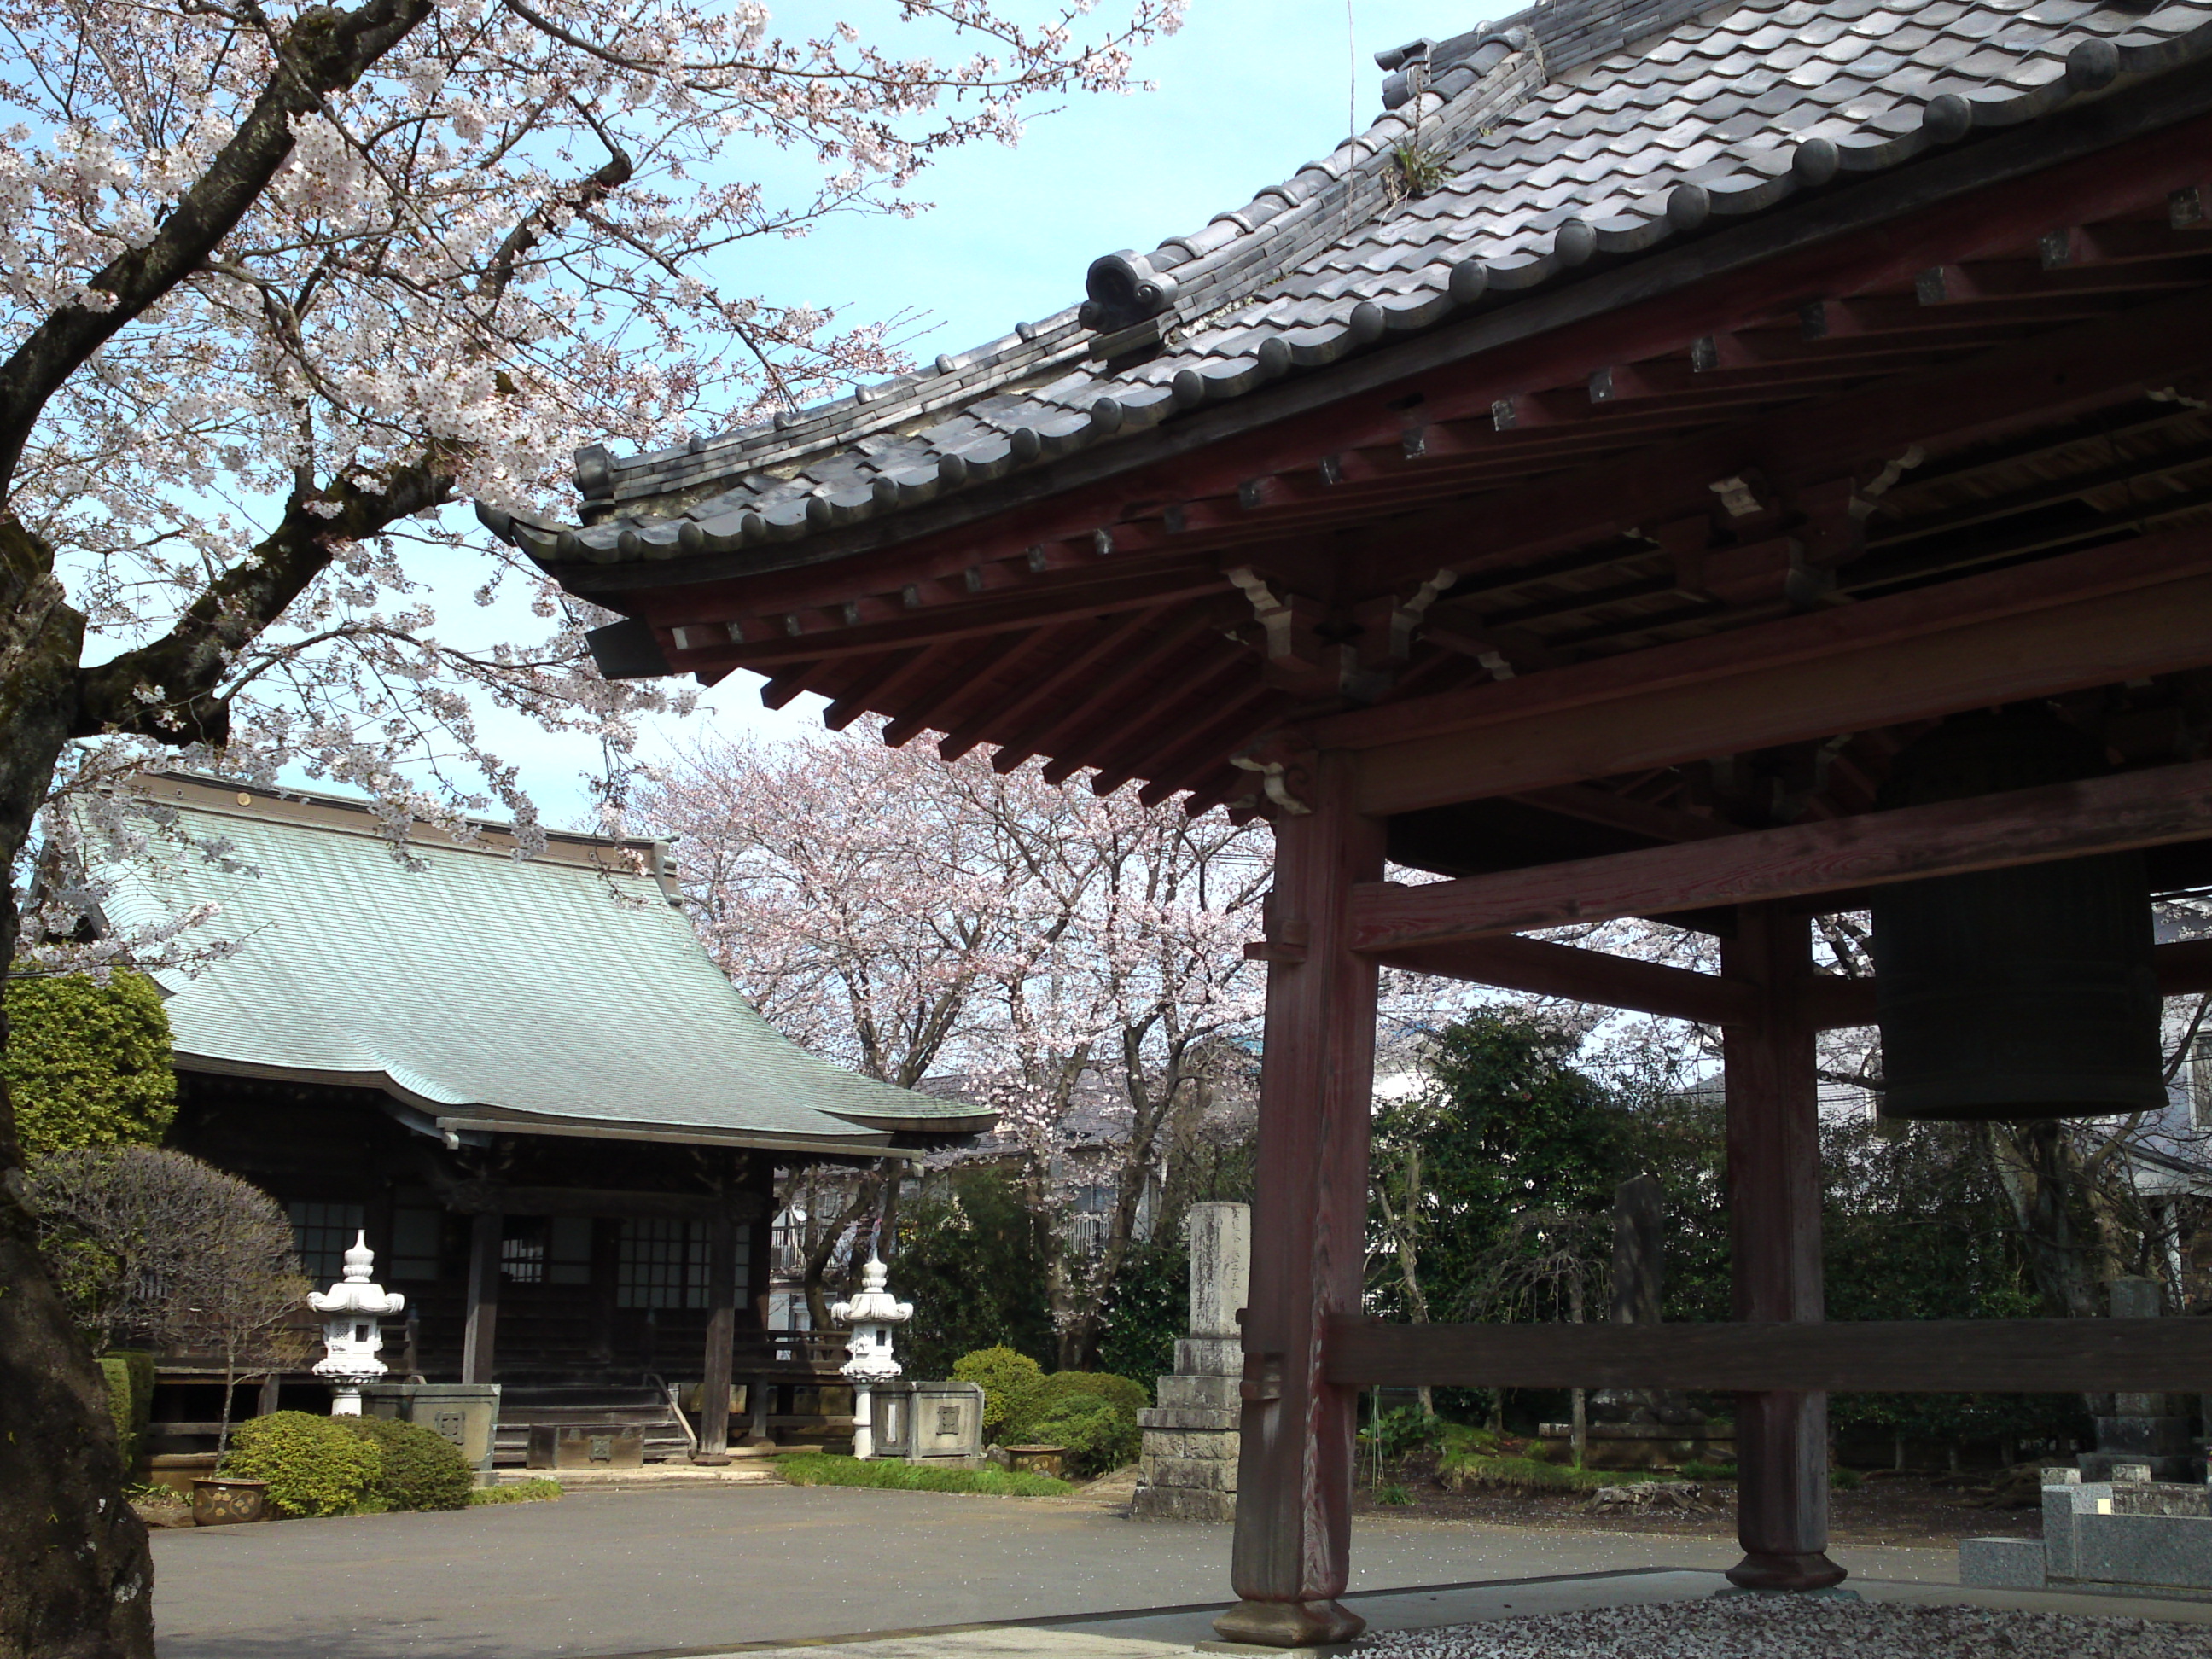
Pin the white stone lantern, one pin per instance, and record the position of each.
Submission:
(871, 1315)
(351, 1340)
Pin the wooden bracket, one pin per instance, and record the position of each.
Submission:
(1284, 771)
(1388, 624)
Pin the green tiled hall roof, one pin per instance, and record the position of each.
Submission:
(560, 994)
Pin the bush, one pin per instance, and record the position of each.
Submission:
(1013, 1387)
(1406, 1429)
(1098, 1434)
(1119, 1392)
(826, 1469)
(416, 1469)
(87, 1064)
(313, 1465)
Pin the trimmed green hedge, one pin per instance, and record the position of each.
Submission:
(313, 1465)
(417, 1469)
(88, 1065)
(1013, 1388)
(826, 1469)
(1092, 1414)
(348, 1465)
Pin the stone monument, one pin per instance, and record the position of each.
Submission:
(872, 1314)
(2128, 1534)
(351, 1338)
(2151, 1428)
(1189, 1467)
(1640, 1428)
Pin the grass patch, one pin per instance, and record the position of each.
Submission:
(536, 1489)
(825, 1469)
(1708, 1471)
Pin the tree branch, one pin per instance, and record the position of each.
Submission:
(167, 690)
(322, 52)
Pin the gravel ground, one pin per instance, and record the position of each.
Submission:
(1761, 1627)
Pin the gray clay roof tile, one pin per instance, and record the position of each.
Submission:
(1589, 109)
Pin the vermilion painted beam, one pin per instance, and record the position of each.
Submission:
(1542, 969)
(2065, 623)
(2149, 808)
(1933, 1356)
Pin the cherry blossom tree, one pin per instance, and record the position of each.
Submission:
(913, 917)
(281, 282)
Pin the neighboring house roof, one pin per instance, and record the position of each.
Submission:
(559, 995)
(1552, 142)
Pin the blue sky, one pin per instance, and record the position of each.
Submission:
(1246, 93)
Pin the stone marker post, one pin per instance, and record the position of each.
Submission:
(1189, 1468)
(2149, 1429)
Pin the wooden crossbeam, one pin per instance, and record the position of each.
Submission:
(1934, 1356)
(1542, 969)
(2149, 808)
(2060, 624)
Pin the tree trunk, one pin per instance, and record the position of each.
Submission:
(76, 1580)
(822, 1245)
(2032, 1164)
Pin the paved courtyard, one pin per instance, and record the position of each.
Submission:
(711, 1570)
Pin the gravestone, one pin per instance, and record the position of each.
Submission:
(2150, 1429)
(2128, 1535)
(1189, 1467)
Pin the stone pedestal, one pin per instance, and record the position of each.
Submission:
(2131, 1535)
(466, 1413)
(1189, 1467)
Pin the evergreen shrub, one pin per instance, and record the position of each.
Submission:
(417, 1469)
(1098, 1436)
(1121, 1392)
(1013, 1387)
(88, 1065)
(115, 1371)
(313, 1465)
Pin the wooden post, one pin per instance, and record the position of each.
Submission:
(479, 1335)
(1774, 1235)
(721, 1333)
(1291, 1557)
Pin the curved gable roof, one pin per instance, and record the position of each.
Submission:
(562, 994)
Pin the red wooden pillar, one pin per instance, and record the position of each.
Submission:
(1308, 1227)
(1774, 1229)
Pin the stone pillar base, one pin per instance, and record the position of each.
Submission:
(1759, 1570)
(1181, 1504)
(1288, 1623)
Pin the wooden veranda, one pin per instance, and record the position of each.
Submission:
(1601, 567)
